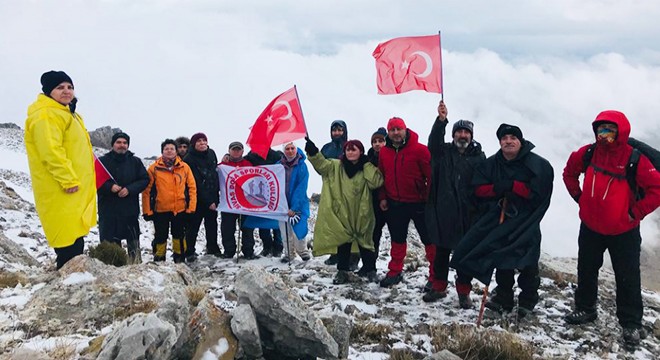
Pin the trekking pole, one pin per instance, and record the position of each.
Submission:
(482, 308)
(240, 231)
(288, 247)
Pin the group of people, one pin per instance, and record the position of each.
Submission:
(486, 211)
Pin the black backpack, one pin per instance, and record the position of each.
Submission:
(639, 148)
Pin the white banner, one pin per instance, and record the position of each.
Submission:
(254, 190)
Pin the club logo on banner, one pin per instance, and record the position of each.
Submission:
(254, 190)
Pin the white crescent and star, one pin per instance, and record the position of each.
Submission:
(427, 59)
(288, 116)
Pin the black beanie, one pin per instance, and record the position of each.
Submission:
(463, 124)
(381, 132)
(50, 80)
(506, 129)
(122, 135)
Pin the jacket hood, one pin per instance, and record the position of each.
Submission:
(341, 123)
(619, 119)
(44, 101)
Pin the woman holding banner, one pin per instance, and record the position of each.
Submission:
(346, 214)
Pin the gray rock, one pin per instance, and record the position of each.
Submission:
(656, 328)
(207, 325)
(443, 355)
(340, 327)
(102, 136)
(142, 336)
(284, 318)
(244, 326)
(9, 126)
(14, 253)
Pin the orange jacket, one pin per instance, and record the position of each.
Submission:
(174, 189)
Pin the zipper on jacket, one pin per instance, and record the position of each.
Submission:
(396, 182)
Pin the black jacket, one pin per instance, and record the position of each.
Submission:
(127, 171)
(516, 243)
(271, 158)
(451, 208)
(204, 168)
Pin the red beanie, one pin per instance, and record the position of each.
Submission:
(396, 122)
(197, 136)
(354, 143)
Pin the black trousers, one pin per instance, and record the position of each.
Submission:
(344, 258)
(116, 228)
(267, 239)
(528, 282)
(166, 222)
(64, 254)
(228, 229)
(398, 218)
(624, 252)
(381, 220)
(441, 267)
(210, 218)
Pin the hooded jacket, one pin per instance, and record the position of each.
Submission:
(346, 213)
(296, 192)
(60, 157)
(128, 172)
(606, 200)
(203, 165)
(175, 190)
(407, 170)
(451, 208)
(335, 148)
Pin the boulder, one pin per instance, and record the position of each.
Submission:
(207, 335)
(102, 136)
(285, 322)
(90, 295)
(244, 326)
(12, 252)
(340, 327)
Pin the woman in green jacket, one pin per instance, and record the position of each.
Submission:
(346, 216)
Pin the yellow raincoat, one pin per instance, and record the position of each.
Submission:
(60, 157)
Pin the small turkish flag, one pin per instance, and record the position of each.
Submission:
(280, 122)
(102, 174)
(409, 63)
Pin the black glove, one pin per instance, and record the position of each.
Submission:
(148, 217)
(310, 147)
(502, 186)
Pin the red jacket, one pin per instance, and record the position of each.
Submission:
(241, 163)
(407, 170)
(606, 201)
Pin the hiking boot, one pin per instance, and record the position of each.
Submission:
(277, 252)
(227, 255)
(578, 317)
(465, 302)
(178, 259)
(250, 257)
(159, 258)
(354, 262)
(191, 258)
(216, 253)
(341, 277)
(371, 276)
(266, 252)
(306, 257)
(496, 306)
(428, 286)
(332, 260)
(524, 311)
(286, 259)
(434, 295)
(632, 336)
(391, 280)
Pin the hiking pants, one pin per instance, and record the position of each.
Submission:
(528, 282)
(344, 258)
(441, 272)
(228, 229)
(116, 228)
(210, 218)
(398, 218)
(64, 254)
(624, 252)
(165, 222)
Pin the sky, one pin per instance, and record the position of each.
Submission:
(164, 68)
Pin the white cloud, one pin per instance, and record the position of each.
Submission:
(161, 69)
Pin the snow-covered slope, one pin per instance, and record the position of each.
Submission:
(408, 320)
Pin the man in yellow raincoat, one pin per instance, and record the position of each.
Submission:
(61, 166)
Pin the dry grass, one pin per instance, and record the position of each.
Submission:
(195, 294)
(370, 333)
(141, 306)
(64, 350)
(402, 354)
(94, 346)
(11, 279)
(471, 343)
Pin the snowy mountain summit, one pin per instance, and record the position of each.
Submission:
(89, 310)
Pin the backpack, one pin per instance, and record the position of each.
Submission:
(639, 148)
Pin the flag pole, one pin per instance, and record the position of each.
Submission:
(442, 86)
(295, 89)
(239, 246)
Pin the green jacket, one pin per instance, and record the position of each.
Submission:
(346, 211)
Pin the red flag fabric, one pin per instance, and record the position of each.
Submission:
(409, 63)
(280, 122)
(102, 174)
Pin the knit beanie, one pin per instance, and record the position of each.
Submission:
(120, 135)
(506, 129)
(463, 124)
(396, 122)
(197, 136)
(380, 133)
(50, 80)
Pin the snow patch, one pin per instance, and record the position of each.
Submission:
(78, 278)
(217, 350)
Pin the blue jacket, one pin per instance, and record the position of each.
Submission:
(296, 194)
(335, 148)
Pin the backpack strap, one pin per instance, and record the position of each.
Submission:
(588, 155)
(153, 193)
(631, 173)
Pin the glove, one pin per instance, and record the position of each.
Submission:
(310, 147)
(502, 186)
(147, 217)
(294, 219)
